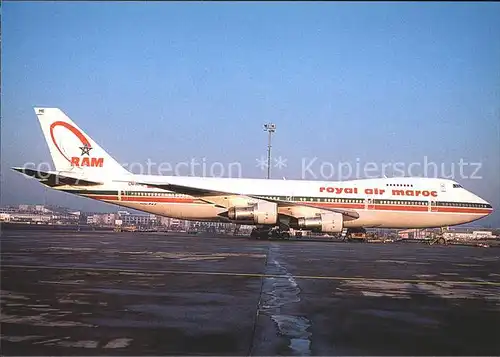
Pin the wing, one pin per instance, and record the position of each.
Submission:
(229, 199)
(348, 214)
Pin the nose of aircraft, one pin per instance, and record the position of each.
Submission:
(485, 205)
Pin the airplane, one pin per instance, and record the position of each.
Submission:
(83, 168)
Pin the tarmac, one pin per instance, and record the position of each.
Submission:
(94, 293)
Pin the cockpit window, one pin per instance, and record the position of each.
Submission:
(456, 185)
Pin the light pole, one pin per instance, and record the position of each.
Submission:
(270, 128)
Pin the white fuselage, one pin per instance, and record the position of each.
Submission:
(385, 203)
(389, 203)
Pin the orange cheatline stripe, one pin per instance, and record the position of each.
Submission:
(462, 209)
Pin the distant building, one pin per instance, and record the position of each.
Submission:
(30, 218)
(8, 210)
(483, 234)
(467, 235)
(40, 208)
(140, 220)
(176, 224)
(92, 219)
(416, 233)
(165, 221)
(108, 219)
(213, 226)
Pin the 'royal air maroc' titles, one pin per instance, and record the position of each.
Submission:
(377, 191)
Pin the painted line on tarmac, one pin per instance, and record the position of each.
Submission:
(253, 275)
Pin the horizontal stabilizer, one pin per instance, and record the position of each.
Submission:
(53, 179)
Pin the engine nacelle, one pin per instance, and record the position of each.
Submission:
(324, 222)
(260, 213)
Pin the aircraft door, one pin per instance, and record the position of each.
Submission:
(369, 203)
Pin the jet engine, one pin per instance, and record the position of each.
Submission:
(259, 213)
(323, 222)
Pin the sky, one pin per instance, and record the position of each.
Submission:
(353, 83)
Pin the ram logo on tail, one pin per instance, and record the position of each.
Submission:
(72, 149)
(87, 161)
(82, 161)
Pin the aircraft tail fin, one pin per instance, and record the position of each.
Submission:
(72, 150)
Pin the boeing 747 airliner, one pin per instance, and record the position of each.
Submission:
(83, 168)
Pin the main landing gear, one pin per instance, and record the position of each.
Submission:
(269, 233)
